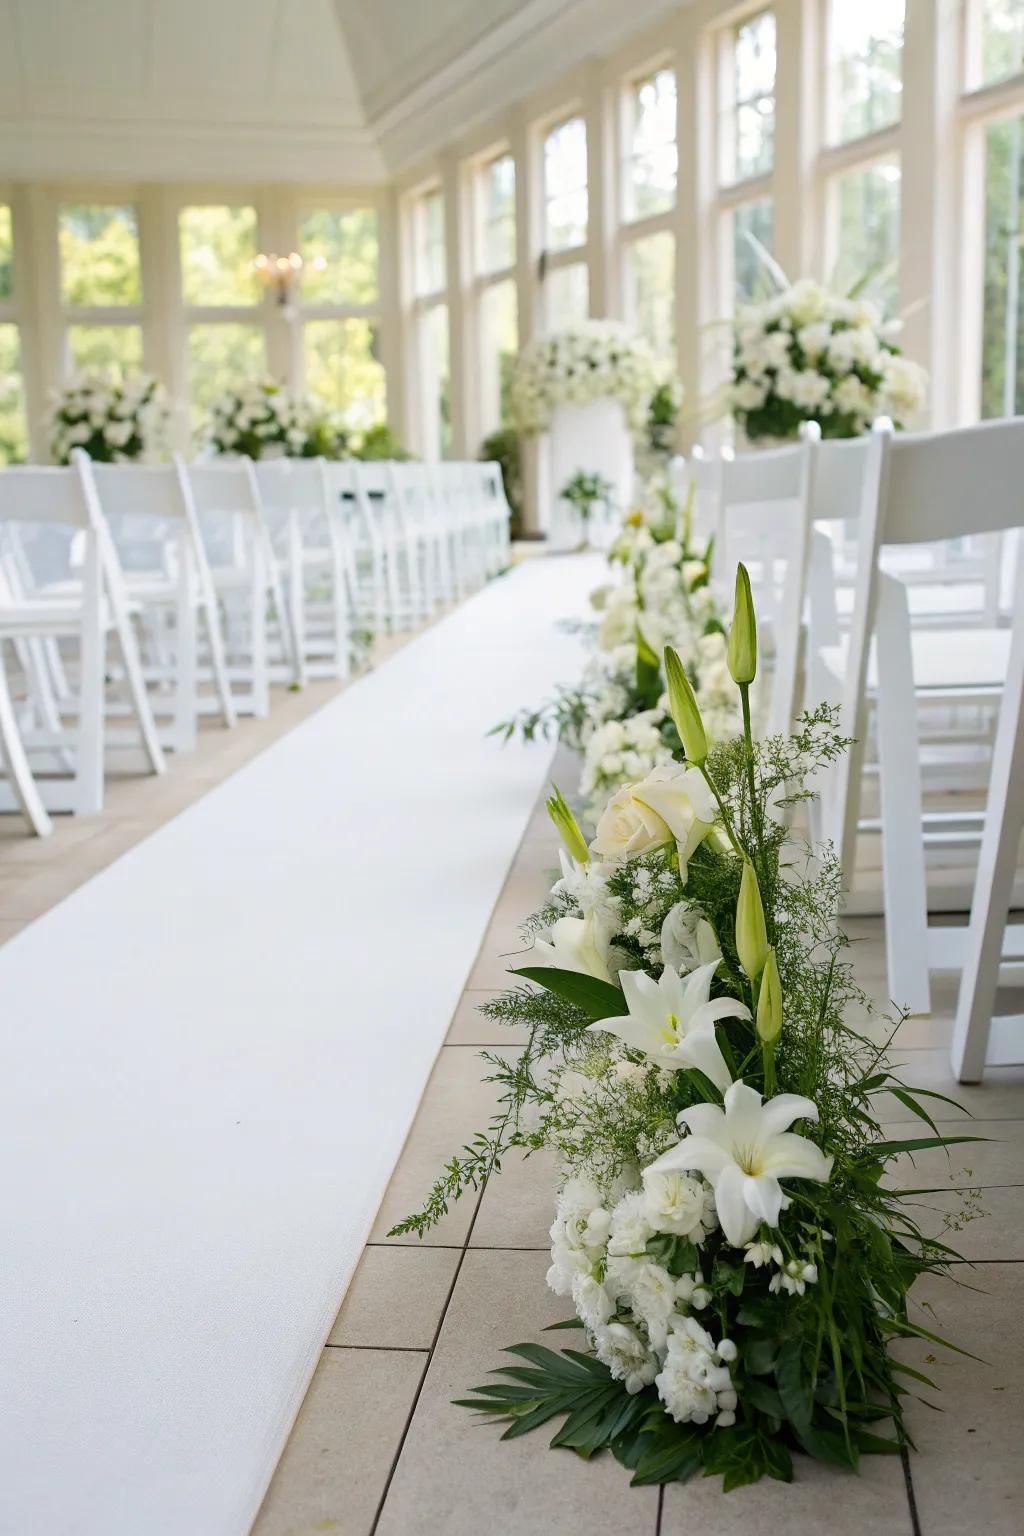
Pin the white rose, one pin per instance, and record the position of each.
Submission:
(629, 827)
(687, 939)
(683, 801)
(678, 1203)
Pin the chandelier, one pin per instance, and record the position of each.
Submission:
(281, 275)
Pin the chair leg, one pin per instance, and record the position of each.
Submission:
(258, 643)
(340, 608)
(218, 661)
(138, 696)
(993, 890)
(297, 598)
(903, 863)
(13, 753)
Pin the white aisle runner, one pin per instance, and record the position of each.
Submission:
(211, 1055)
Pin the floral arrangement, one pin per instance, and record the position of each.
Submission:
(255, 418)
(618, 717)
(582, 491)
(595, 360)
(734, 1257)
(113, 420)
(808, 355)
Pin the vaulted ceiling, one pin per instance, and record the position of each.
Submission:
(339, 90)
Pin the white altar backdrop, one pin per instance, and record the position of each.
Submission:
(212, 1054)
(593, 438)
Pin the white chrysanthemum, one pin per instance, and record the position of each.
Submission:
(679, 1204)
(630, 1227)
(627, 1357)
(694, 1383)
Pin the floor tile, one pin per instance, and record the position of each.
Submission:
(518, 1205)
(396, 1298)
(336, 1464)
(999, 1097)
(968, 1474)
(983, 1226)
(471, 1027)
(872, 1502)
(455, 1477)
(455, 1106)
(997, 1160)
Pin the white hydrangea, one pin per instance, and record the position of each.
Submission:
(113, 420)
(694, 1382)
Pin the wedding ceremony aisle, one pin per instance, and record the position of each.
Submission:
(213, 1052)
(379, 1448)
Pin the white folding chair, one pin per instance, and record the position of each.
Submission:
(758, 507)
(244, 574)
(918, 489)
(150, 512)
(310, 546)
(94, 608)
(497, 516)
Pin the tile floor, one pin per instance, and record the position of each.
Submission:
(378, 1449)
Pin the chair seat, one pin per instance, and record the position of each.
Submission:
(943, 658)
(49, 616)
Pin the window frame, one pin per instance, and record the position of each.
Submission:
(570, 255)
(99, 195)
(483, 278)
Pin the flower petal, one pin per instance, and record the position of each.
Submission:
(698, 987)
(780, 1112)
(632, 1031)
(790, 1156)
(743, 1115)
(720, 1008)
(764, 1196)
(700, 1049)
(739, 1222)
(706, 1120)
(698, 1153)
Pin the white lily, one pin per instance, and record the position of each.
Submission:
(575, 946)
(743, 1150)
(673, 1022)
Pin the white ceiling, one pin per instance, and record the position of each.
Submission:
(340, 90)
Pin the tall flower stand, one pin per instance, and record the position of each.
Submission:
(593, 438)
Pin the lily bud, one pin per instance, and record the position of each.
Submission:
(567, 826)
(684, 711)
(769, 1002)
(751, 934)
(741, 651)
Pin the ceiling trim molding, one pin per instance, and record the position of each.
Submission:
(187, 151)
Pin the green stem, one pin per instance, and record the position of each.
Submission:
(768, 1054)
(748, 743)
(726, 818)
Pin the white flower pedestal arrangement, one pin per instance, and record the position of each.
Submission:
(595, 438)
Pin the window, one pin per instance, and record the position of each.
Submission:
(499, 342)
(652, 295)
(496, 218)
(1002, 338)
(338, 312)
(429, 261)
(748, 140)
(344, 371)
(226, 340)
(13, 433)
(565, 186)
(649, 181)
(219, 244)
(340, 252)
(1002, 39)
(866, 45)
(751, 241)
(566, 295)
(101, 288)
(866, 221)
(435, 381)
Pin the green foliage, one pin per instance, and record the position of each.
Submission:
(583, 490)
(380, 442)
(503, 448)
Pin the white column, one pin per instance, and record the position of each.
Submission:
(391, 328)
(37, 276)
(695, 216)
(526, 151)
(796, 200)
(599, 112)
(929, 234)
(456, 255)
(163, 314)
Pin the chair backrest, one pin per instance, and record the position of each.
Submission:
(224, 485)
(289, 484)
(949, 485)
(32, 493)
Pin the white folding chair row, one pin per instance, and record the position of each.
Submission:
(94, 610)
(917, 490)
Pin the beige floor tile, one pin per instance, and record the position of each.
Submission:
(455, 1106)
(396, 1298)
(999, 1097)
(471, 1027)
(969, 1473)
(517, 1208)
(526, 889)
(871, 1503)
(994, 1232)
(499, 953)
(455, 1477)
(997, 1160)
(8, 928)
(336, 1464)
